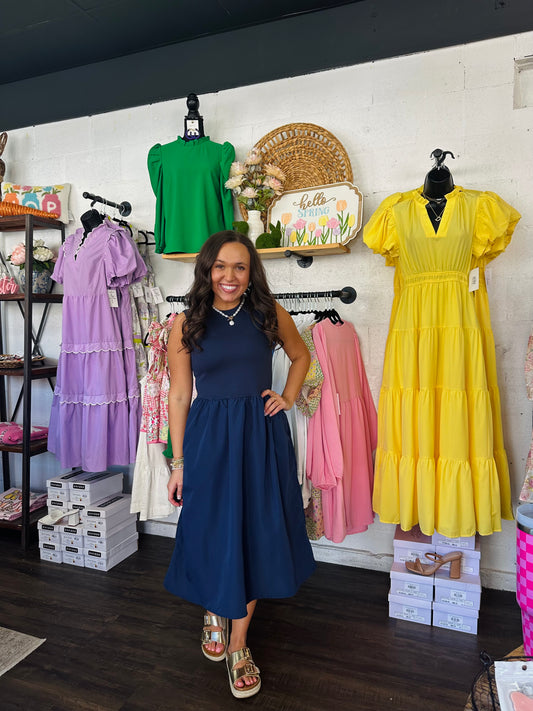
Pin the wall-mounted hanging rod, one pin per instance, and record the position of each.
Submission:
(347, 295)
(124, 207)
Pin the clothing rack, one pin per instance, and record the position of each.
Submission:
(347, 295)
(123, 207)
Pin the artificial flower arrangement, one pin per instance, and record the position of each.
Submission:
(254, 184)
(43, 257)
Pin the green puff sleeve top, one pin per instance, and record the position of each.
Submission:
(192, 203)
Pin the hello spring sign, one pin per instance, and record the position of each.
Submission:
(325, 214)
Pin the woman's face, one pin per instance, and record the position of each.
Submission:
(230, 275)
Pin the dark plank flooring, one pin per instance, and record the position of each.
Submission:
(119, 641)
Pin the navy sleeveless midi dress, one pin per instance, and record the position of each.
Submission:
(241, 534)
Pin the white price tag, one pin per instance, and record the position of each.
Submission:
(157, 298)
(137, 289)
(147, 294)
(113, 299)
(473, 280)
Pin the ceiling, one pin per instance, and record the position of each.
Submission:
(64, 59)
(43, 37)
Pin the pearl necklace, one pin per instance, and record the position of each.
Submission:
(230, 319)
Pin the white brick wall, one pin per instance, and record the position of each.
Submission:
(389, 115)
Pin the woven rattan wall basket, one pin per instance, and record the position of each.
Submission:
(307, 154)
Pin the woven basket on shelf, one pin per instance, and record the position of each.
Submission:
(308, 154)
(16, 361)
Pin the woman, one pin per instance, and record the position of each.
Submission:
(241, 534)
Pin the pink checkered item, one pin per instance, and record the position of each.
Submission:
(524, 585)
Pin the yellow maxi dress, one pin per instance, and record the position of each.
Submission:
(440, 459)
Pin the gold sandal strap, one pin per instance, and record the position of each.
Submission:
(213, 636)
(247, 669)
(214, 621)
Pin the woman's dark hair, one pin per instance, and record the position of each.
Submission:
(259, 300)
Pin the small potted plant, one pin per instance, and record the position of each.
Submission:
(43, 264)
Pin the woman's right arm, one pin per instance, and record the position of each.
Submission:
(179, 401)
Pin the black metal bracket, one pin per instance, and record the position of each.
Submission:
(302, 260)
(123, 207)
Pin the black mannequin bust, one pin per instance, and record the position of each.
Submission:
(90, 220)
(437, 184)
(194, 123)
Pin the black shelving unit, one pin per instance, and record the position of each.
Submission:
(30, 371)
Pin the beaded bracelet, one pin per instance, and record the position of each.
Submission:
(176, 463)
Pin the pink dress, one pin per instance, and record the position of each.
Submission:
(342, 433)
(157, 384)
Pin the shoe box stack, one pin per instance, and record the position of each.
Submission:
(456, 602)
(97, 529)
(447, 602)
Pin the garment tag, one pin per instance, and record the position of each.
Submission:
(113, 299)
(137, 289)
(148, 294)
(156, 295)
(473, 280)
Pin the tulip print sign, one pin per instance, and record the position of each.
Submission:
(325, 214)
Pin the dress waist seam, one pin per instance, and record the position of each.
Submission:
(218, 398)
(434, 277)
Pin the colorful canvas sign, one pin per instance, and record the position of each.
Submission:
(325, 214)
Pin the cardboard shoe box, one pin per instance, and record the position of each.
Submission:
(74, 559)
(453, 618)
(61, 482)
(51, 552)
(49, 532)
(100, 560)
(109, 513)
(72, 535)
(104, 541)
(58, 505)
(464, 592)
(404, 584)
(464, 543)
(410, 545)
(93, 486)
(410, 610)
(59, 494)
(49, 536)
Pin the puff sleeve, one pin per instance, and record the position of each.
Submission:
(123, 263)
(57, 274)
(228, 156)
(155, 171)
(494, 225)
(380, 232)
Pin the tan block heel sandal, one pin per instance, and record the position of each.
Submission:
(247, 669)
(454, 559)
(219, 636)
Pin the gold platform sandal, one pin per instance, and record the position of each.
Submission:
(219, 636)
(236, 673)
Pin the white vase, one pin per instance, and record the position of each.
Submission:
(255, 224)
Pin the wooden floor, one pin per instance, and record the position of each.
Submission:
(119, 641)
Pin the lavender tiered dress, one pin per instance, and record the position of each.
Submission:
(96, 409)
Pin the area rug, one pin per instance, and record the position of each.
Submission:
(14, 646)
